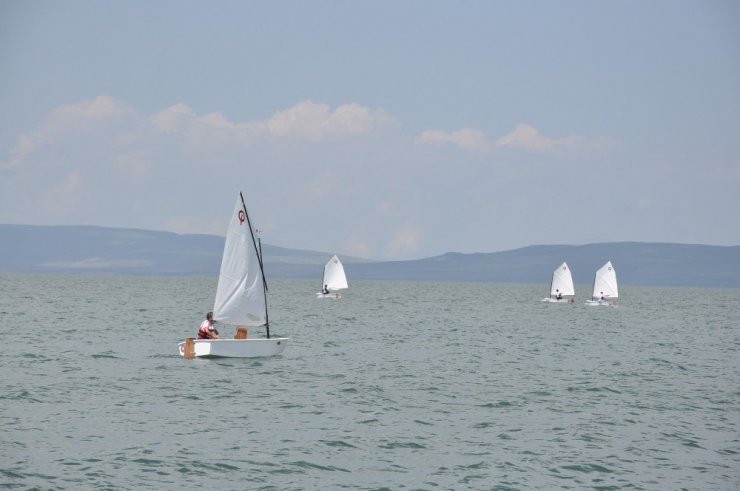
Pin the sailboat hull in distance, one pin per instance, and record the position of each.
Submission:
(610, 303)
(335, 295)
(558, 300)
(236, 348)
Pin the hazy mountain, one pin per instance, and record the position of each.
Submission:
(100, 250)
(636, 263)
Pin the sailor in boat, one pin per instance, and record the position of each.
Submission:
(325, 291)
(207, 328)
(559, 295)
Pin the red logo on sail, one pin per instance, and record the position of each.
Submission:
(241, 217)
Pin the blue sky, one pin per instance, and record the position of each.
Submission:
(381, 129)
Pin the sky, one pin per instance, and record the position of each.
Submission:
(380, 129)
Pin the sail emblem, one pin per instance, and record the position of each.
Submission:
(241, 217)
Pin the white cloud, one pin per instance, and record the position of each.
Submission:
(72, 124)
(526, 137)
(466, 138)
(213, 129)
(87, 114)
(310, 121)
(174, 118)
(81, 117)
(304, 121)
(99, 108)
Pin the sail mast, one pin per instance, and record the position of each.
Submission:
(264, 290)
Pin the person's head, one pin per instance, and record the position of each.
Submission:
(209, 316)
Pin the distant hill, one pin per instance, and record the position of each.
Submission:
(636, 263)
(98, 250)
(101, 250)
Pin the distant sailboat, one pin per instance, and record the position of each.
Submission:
(333, 280)
(605, 286)
(241, 297)
(561, 286)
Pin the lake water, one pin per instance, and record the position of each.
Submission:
(395, 386)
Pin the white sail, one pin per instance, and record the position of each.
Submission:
(605, 283)
(562, 281)
(240, 295)
(334, 277)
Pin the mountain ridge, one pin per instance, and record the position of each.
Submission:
(86, 249)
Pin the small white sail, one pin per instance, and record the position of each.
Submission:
(605, 283)
(240, 295)
(334, 277)
(562, 281)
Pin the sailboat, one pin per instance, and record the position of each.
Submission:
(605, 286)
(333, 280)
(561, 286)
(241, 297)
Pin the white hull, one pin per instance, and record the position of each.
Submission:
(555, 300)
(236, 348)
(334, 295)
(608, 303)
